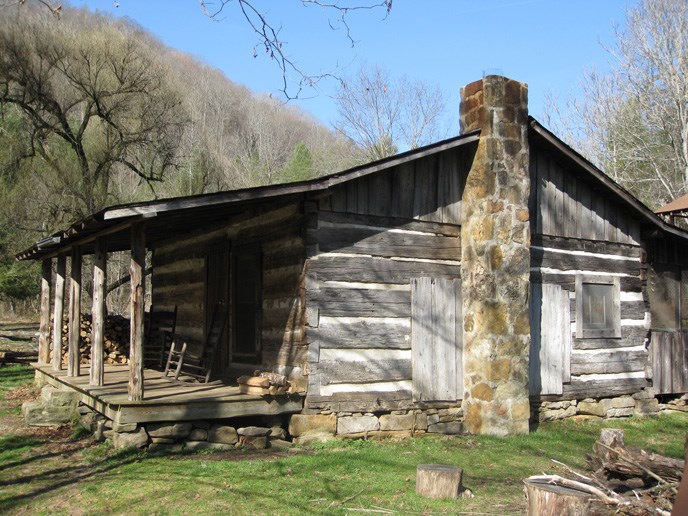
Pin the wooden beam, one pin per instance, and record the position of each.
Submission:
(44, 329)
(98, 313)
(58, 312)
(73, 360)
(138, 263)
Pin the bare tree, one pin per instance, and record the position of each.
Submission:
(382, 115)
(634, 120)
(270, 42)
(93, 98)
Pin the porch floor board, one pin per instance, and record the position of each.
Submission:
(165, 400)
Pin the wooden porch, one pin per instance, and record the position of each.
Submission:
(165, 400)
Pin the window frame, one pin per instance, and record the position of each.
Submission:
(598, 333)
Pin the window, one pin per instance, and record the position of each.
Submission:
(598, 313)
(247, 304)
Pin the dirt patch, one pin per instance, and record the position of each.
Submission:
(54, 439)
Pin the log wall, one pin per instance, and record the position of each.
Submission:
(366, 242)
(179, 279)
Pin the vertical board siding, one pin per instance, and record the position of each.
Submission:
(568, 207)
(551, 339)
(436, 339)
(669, 362)
(427, 189)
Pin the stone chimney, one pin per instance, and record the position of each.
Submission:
(495, 258)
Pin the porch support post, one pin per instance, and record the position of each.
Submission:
(73, 360)
(58, 312)
(138, 259)
(44, 329)
(98, 313)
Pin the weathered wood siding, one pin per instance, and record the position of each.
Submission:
(180, 277)
(367, 241)
(598, 366)
(567, 206)
(578, 229)
(669, 361)
(427, 189)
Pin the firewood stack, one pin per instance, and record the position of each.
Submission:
(115, 336)
(264, 384)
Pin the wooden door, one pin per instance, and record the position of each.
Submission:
(437, 339)
(217, 295)
(550, 338)
(247, 303)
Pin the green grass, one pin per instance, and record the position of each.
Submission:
(44, 474)
(13, 376)
(342, 477)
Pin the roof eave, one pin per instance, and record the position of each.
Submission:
(104, 220)
(650, 216)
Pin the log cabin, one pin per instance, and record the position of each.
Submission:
(479, 284)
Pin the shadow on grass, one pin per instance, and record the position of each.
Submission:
(14, 442)
(53, 478)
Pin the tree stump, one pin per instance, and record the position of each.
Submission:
(438, 481)
(552, 500)
(610, 438)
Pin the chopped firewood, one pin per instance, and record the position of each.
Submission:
(254, 381)
(274, 378)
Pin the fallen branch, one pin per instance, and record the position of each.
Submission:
(580, 486)
(624, 456)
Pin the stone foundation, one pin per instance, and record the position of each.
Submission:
(55, 407)
(307, 428)
(640, 404)
(269, 432)
(220, 435)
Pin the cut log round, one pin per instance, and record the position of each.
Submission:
(438, 481)
(552, 500)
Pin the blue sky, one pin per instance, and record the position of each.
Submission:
(545, 43)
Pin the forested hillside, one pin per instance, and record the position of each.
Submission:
(95, 111)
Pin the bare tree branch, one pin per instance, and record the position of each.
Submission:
(380, 114)
(271, 43)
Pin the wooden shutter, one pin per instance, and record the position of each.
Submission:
(550, 339)
(437, 339)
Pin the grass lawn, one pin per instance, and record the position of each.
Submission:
(46, 472)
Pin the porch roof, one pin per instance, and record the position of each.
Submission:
(188, 213)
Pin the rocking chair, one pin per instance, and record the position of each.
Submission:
(193, 360)
(160, 326)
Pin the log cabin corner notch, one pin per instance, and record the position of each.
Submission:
(442, 289)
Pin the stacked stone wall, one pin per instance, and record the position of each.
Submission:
(306, 428)
(639, 404)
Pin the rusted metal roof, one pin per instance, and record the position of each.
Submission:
(676, 206)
